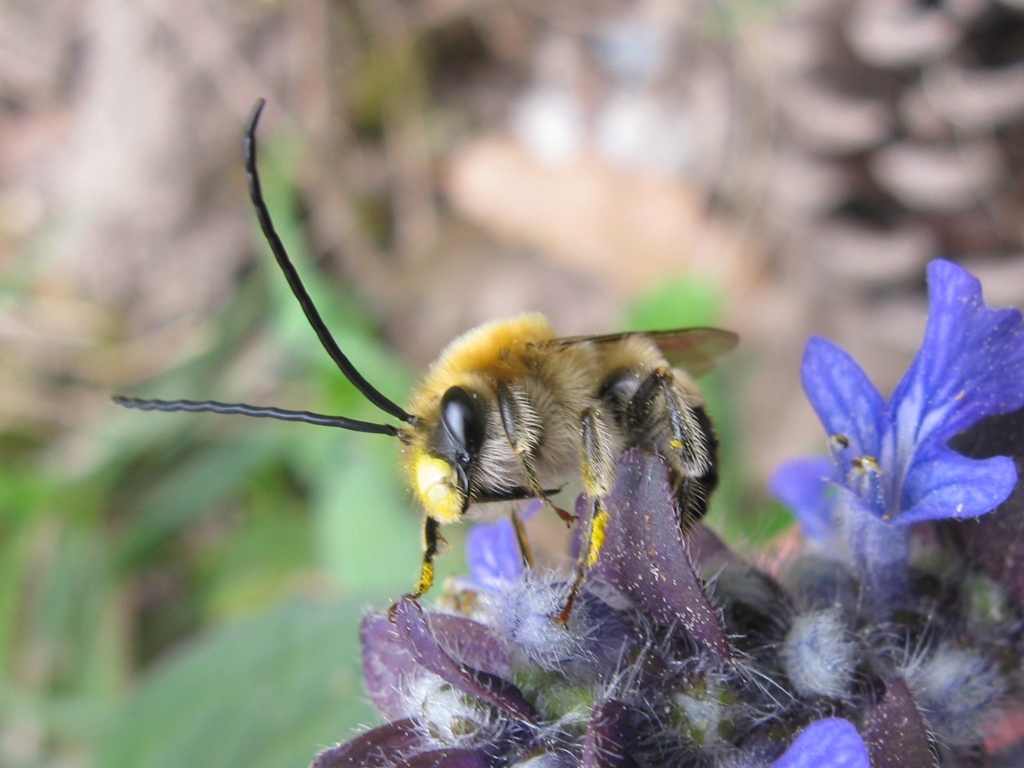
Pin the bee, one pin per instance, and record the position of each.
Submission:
(510, 411)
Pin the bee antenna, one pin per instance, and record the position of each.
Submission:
(298, 289)
(262, 413)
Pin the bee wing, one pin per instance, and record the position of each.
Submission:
(692, 349)
(695, 350)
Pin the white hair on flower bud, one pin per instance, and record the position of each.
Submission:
(522, 612)
(956, 691)
(447, 715)
(819, 655)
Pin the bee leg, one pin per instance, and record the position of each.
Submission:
(523, 429)
(691, 437)
(432, 541)
(431, 544)
(691, 425)
(597, 523)
(533, 483)
(695, 497)
(524, 544)
(598, 471)
(686, 436)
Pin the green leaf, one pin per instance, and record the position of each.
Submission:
(368, 531)
(268, 553)
(198, 484)
(267, 692)
(369, 535)
(16, 549)
(682, 303)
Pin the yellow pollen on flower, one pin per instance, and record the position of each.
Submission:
(865, 463)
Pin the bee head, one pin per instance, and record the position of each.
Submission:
(443, 462)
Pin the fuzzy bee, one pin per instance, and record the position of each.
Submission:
(510, 410)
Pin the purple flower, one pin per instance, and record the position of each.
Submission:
(891, 465)
(493, 554)
(677, 652)
(829, 743)
(644, 674)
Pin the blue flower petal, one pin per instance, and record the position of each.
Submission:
(944, 484)
(892, 466)
(893, 457)
(829, 743)
(970, 365)
(802, 485)
(492, 551)
(842, 395)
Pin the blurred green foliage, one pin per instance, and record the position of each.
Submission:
(261, 693)
(191, 594)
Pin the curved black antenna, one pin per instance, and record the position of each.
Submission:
(295, 283)
(261, 413)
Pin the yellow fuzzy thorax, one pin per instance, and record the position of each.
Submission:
(485, 348)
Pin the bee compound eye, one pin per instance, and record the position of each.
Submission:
(462, 420)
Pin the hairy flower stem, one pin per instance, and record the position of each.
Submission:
(882, 553)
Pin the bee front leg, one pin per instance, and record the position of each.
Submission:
(432, 541)
(598, 472)
(431, 544)
(523, 429)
